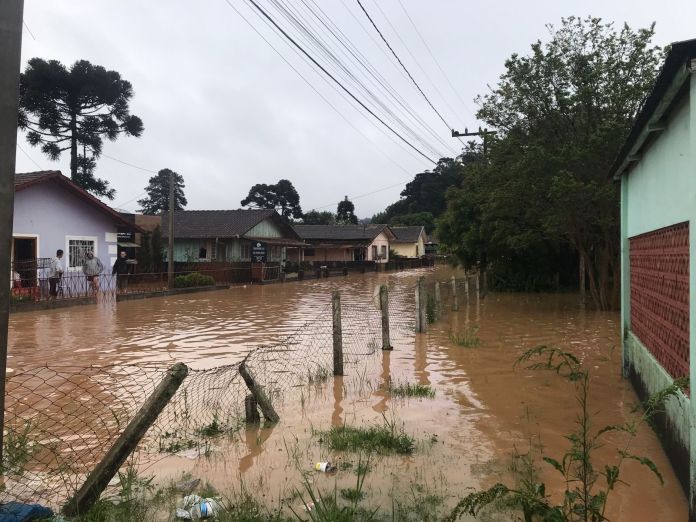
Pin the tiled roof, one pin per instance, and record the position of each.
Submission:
(339, 232)
(407, 234)
(24, 180)
(196, 224)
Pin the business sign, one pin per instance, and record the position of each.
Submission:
(258, 252)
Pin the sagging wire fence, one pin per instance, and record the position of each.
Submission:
(69, 429)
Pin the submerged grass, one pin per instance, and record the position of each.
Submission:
(406, 389)
(467, 338)
(386, 438)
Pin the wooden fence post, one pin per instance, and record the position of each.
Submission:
(455, 298)
(251, 410)
(337, 334)
(129, 439)
(384, 307)
(258, 392)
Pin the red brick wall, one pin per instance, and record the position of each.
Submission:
(660, 295)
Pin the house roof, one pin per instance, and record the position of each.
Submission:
(24, 180)
(407, 234)
(678, 60)
(355, 233)
(206, 224)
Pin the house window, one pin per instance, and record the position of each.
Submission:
(77, 250)
(202, 253)
(245, 251)
(416, 250)
(374, 252)
(309, 252)
(213, 250)
(384, 252)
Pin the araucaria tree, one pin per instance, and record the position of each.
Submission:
(75, 109)
(281, 196)
(561, 113)
(345, 213)
(157, 199)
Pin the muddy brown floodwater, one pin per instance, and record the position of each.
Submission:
(483, 410)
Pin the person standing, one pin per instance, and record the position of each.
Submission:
(121, 271)
(55, 272)
(92, 267)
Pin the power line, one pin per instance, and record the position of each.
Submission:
(402, 64)
(129, 164)
(323, 69)
(28, 156)
(444, 74)
(29, 30)
(362, 195)
(316, 90)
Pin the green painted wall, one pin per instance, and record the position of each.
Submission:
(265, 229)
(658, 192)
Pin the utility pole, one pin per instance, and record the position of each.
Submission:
(170, 250)
(10, 63)
(485, 133)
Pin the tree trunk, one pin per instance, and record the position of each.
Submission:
(73, 146)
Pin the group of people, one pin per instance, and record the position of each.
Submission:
(91, 268)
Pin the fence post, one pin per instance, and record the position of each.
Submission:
(251, 410)
(466, 286)
(421, 303)
(337, 334)
(455, 298)
(437, 296)
(129, 439)
(259, 394)
(384, 307)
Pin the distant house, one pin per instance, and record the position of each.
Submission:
(657, 171)
(409, 241)
(346, 242)
(50, 213)
(228, 235)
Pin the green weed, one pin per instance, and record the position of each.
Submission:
(467, 338)
(385, 438)
(406, 389)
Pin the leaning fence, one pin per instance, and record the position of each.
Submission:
(62, 423)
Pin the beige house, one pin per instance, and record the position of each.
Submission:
(409, 242)
(346, 242)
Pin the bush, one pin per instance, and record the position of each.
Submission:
(193, 279)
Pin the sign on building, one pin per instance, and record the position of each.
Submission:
(259, 252)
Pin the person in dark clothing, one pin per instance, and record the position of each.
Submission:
(121, 270)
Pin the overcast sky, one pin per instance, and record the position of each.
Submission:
(223, 109)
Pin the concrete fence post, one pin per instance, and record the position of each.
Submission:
(437, 296)
(126, 443)
(384, 307)
(337, 334)
(466, 286)
(421, 303)
(455, 297)
(258, 393)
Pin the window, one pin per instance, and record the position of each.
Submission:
(416, 250)
(374, 252)
(384, 252)
(309, 252)
(77, 250)
(245, 251)
(202, 253)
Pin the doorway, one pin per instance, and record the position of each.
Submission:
(24, 260)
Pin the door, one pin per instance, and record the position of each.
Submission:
(24, 260)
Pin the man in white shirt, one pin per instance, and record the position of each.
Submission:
(55, 273)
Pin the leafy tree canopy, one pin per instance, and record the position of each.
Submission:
(75, 109)
(424, 219)
(281, 196)
(157, 199)
(314, 217)
(561, 113)
(345, 213)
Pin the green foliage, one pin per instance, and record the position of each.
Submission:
(345, 213)
(587, 487)
(467, 338)
(281, 196)
(193, 279)
(75, 109)
(424, 219)
(314, 217)
(542, 198)
(19, 447)
(157, 199)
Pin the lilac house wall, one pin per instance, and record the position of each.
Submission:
(54, 214)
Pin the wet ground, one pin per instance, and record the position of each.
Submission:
(484, 410)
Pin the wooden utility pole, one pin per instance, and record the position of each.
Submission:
(485, 133)
(170, 250)
(10, 63)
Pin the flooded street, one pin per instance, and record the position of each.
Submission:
(484, 409)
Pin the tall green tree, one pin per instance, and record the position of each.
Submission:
(345, 212)
(314, 217)
(157, 199)
(562, 112)
(75, 109)
(281, 196)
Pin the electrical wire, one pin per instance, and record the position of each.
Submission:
(28, 156)
(325, 71)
